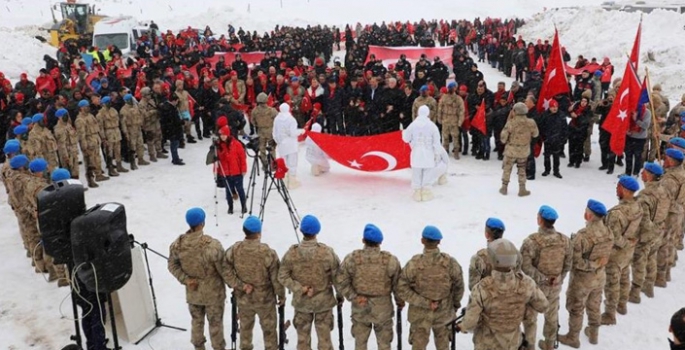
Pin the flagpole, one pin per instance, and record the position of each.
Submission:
(654, 123)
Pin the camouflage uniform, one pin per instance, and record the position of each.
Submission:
(152, 128)
(263, 119)
(253, 263)
(655, 205)
(108, 118)
(15, 181)
(67, 147)
(372, 274)
(132, 118)
(591, 251)
(547, 258)
(516, 136)
(43, 145)
(90, 138)
(425, 101)
(196, 256)
(623, 221)
(673, 182)
(451, 116)
(496, 309)
(311, 264)
(480, 267)
(431, 277)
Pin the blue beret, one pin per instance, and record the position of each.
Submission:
(373, 234)
(654, 168)
(60, 113)
(60, 174)
(598, 73)
(629, 183)
(452, 85)
(597, 207)
(671, 153)
(106, 100)
(253, 224)
(26, 121)
(11, 147)
(494, 223)
(295, 80)
(432, 233)
(37, 118)
(195, 216)
(38, 165)
(19, 161)
(104, 80)
(83, 103)
(310, 225)
(548, 213)
(423, 88)
(21, 129)
(128, 97)
(678, 142)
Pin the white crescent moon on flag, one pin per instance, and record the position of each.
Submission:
(392, 162)
(552, 74)
(624, 94)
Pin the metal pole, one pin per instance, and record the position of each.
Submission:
(654, 123)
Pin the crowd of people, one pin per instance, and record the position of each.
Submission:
(136, 110)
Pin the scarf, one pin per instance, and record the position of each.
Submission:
(236, 93)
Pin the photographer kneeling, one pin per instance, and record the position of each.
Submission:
(231, 166)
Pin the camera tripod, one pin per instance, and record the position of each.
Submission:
(158, 321)
(270, 182)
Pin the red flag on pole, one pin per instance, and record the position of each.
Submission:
(540, 64)
(635, 53)
(621, 114)
(555, 81)
(478, 121)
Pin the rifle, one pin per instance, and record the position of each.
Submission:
(524, 342)
(341, 341)
(399, 328)
(282, 327)
(234, 321)
(455, 329)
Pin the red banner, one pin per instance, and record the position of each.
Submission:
(413, 53)
(384, 152)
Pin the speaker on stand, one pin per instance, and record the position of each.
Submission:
(102, 252)
(58, 204)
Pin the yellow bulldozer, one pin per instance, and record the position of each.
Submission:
(78, 20)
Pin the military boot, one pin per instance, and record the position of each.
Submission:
(161, 155)
(593, 334)
(570, 340)
(660, 279)
(442, 180)
(622, 308)
(668, 275)
(546, 344)
(153, 159)
(417, 195)
(648, 289)
(91, 180)
(141, 161)
(522, 191)
(503, 189)
(608, 319)
(101, 177)
(111, 170)
(634, 296)
(40, 266)
(120, 168)
(133, 164)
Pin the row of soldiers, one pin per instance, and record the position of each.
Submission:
(508, 287)
(98, 130)
(23, 180)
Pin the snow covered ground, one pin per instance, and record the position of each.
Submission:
(157, 196)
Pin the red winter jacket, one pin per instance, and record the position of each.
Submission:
(232, 158)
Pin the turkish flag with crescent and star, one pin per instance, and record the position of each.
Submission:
(384, 152)
(620, 117)
(555, 81)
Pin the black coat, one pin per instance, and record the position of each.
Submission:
(553, 130)
(172, 125)
(333, 104)
(374, 106)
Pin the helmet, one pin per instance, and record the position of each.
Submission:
(262, 98)
(503, 254)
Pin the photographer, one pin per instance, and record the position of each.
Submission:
(231, 167)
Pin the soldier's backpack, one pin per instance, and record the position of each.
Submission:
(553, 248)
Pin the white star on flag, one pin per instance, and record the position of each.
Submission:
(622, 114)
(354, 164)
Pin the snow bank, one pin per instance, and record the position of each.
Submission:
(22, 54)
(593, 32)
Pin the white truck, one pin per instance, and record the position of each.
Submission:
(123, 32)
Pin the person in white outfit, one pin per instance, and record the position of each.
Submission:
(439, 173)
(285, 134)
(315, 156)
(424, 138)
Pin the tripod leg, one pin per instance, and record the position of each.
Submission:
(77, 327)
(112, 319)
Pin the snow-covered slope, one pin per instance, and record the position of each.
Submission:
(21, 53)
(593, 32)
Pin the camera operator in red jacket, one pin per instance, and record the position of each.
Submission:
(230, 168)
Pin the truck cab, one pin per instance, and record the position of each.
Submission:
(123, 32)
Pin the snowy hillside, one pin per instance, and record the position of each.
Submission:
(593, 32)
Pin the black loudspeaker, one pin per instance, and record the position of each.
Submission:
(99, 237)
(58, 205)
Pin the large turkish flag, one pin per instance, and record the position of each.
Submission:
(384, 152)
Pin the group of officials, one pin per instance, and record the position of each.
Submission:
(509, 287)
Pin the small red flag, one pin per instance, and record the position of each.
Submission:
(478, 121)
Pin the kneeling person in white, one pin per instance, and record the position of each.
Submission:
(315, 156)
(424, 138)
(285, 134)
